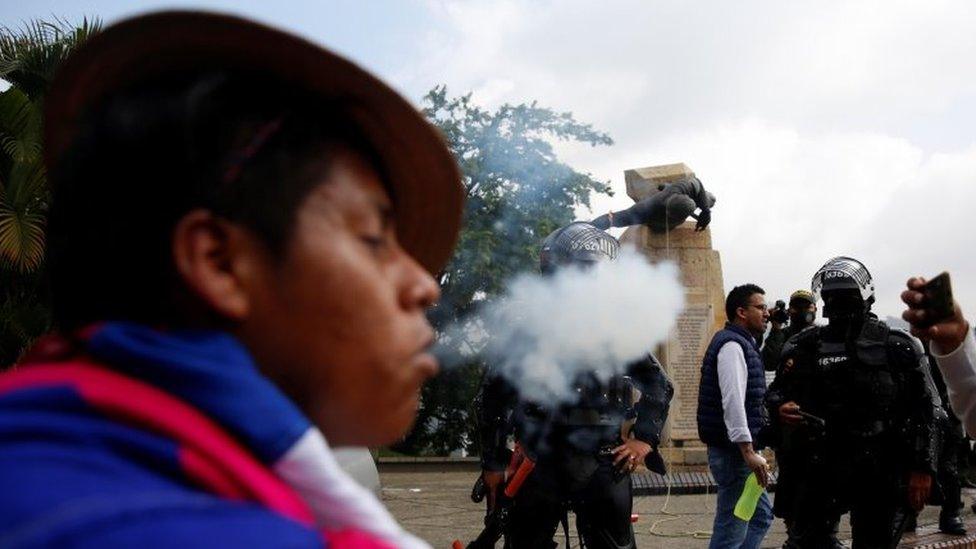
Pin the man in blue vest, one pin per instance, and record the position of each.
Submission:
(731, 416)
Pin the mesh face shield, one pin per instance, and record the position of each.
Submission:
(576, 244)
(843, 273)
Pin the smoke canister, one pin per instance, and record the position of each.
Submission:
(746, 506)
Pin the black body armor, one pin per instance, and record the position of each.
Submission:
(876, 387)
(585, 426)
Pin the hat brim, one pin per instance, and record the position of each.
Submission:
(424, 176)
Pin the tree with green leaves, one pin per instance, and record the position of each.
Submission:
(518, 191)
(29, 58)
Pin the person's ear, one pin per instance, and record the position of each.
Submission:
(215, 260)
(740, 313)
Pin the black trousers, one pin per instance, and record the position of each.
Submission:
(870, 489)
(660, 212)
(789, 485)
(601, 499)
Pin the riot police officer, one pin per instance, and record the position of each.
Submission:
(585, 450)
(856, 399)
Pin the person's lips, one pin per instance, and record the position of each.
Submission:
(425, 360)
(428, 363)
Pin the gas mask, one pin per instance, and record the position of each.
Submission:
(802, 319)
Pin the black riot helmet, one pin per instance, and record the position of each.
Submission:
(846, 287)
(578, 244)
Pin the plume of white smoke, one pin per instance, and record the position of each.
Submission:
(545, 331)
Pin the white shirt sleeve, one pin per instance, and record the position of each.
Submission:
(335, 499)
(732, 377)
(959, 370)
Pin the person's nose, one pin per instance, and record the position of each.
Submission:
(420, 290)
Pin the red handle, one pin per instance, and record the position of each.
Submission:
(521, 474)
(513, 464)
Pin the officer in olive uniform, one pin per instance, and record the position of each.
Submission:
(801, 313)
(856, 399)
(584, 451)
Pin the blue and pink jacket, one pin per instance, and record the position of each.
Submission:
(134, 437)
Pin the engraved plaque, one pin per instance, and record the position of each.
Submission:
(683, 358)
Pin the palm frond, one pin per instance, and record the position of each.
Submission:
(24, 187)
(23, 212)
(30, 55)
(20, 126)
(21, 239)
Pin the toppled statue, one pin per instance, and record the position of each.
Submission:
(665, 209)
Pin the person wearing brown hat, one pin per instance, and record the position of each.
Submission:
(241, 243)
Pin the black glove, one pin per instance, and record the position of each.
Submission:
(704, 218)
(654, 462)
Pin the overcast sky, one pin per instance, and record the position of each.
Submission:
(824, 128)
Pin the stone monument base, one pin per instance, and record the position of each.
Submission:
(704, 313)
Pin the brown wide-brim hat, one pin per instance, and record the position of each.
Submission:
(423, 175)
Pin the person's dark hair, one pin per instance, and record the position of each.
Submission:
(247, 148)
(739, 297)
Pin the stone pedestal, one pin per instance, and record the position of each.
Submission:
(704, 313)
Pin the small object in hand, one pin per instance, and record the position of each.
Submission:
(745, 508)
(819, 421)
(938, 300)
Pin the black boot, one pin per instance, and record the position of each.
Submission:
(952, 525)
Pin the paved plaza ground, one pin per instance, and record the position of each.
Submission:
(436, 507)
